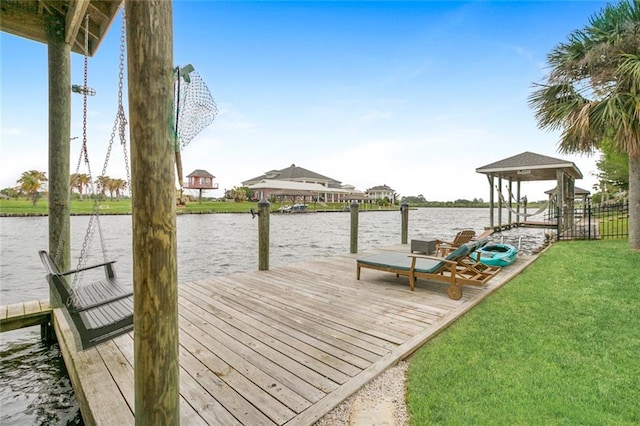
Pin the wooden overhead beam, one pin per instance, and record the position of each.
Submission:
(74, 20)
(28, 18)
(23, 20)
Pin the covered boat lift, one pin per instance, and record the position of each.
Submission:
(529, 167)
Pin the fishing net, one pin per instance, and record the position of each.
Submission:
(194, 107)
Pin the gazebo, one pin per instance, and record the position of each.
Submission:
(529, 167)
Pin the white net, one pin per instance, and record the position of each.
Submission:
(194, 107)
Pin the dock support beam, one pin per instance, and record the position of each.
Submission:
(155, 271)
(404, 211)
(354, 227)
(263, 235)
(59, 58)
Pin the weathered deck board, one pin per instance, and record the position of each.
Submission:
(276, 347)
(24, 314)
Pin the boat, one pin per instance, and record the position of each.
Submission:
(493, 254)
(296, 208)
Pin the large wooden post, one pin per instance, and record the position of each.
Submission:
(518, 217)
(263, 235)
(155, 273)
(491, 201)
(404, 234)
(509, 203)
(500, 203)
(59, 143)
(353, 246)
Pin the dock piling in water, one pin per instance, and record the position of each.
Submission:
(354, 227)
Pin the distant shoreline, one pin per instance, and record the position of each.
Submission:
(180, 213)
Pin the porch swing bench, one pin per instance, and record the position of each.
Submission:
(101, 310)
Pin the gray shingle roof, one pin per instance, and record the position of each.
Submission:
(200, 173)
(529, 166)
(292, 173)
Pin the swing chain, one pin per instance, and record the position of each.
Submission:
(119, 126)
(84, 153)
(121, 114)
(83, 150)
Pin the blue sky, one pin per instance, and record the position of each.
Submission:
(414, 95)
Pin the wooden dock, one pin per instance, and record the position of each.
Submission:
(24, 314)
(277, 347)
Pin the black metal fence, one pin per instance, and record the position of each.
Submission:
(594, 222)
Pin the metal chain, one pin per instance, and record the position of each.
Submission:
(121, 114)
(84, 153)
(83, 150)
(119, 126)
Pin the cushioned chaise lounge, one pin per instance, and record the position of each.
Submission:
(457, 269)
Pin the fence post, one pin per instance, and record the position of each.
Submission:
(354, 227)
(588, 206)
(263, 235)
(404, 211)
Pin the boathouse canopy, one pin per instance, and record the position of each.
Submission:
(529, 167)
(578, 192)
(28, 19)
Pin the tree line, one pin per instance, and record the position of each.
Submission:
(590, 95)
(32, 183)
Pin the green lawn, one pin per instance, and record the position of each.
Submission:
(559, 344)
(23, 206)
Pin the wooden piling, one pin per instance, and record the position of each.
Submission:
(59, 62)
(354, 227)
(404, 210)
(155, 273)
(263, 235)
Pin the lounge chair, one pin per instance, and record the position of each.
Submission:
(457, 269)
(443, 248)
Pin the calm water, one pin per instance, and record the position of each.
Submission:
(34, 387)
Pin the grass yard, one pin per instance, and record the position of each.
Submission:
(560, 344)
(614, 226)
(23, 206)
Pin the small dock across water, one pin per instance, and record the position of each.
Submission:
(277, 347)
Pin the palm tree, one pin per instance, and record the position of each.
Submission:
(114, 185)
(239, 194)
(103, 185)
(591, 93)
(30, 183)
(80, 181)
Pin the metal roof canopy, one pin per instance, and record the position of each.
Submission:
(529, 166)
(28, 19)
